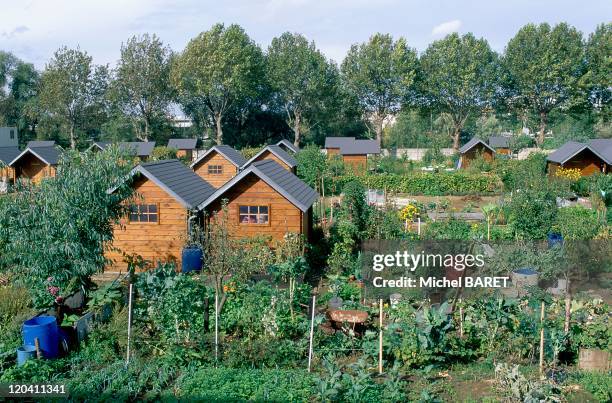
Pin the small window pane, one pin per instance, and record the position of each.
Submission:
(133, 217)
(152, 208)
(153, 218)
(263, 219)
(244, 209)
(263, 209)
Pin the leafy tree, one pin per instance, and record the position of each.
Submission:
(312, 165)
(596, 81)
(458, 77)
(301, 78)
(379, 74)
(544, 65)
(141, 87)
(218, 69)
(72, 89)
(532, 213)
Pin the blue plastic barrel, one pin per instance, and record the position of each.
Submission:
(555, 239)
(191, 259)
(24, 353)
(45, 329)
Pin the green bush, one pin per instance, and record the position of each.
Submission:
(452, 229)
(532, 213)
(577, 223)
(225, 384)
(428, 183)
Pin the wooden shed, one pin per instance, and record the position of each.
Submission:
(589, 158)
(218, 164)
(140, 149)
(288, 146)
(354, 152)
(264, 199)
(473, 149)
(36, 163)
(156, 228)
(7, 155)
(275, 153)
(185, 147)
(501, 144)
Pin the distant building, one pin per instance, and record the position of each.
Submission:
(472, 149)
(354, 152)
(288, 146)
(501, 144)
(219, 164)
(186, 147)
(276, 153)
(9, 137)
(592, 157)
(140, 149)
(38, 161)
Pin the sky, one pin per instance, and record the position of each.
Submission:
(34, 29)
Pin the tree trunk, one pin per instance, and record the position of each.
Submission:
(218, 127)
(72, 139)
(378, 127)
(146, 131)
(297, 134)
(543, 123)
(456, 136)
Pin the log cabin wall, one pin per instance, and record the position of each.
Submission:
(587, 162)
(357, 163)
(504, 151)
(7, 174)
(32, 168)
(163, 240)
(333, 151)
(228, 170)
(267, 155)
(284, 217)
(470, 155)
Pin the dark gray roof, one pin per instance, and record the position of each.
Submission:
(228, 152)
(472, 143)
(183, 144)
(49, 155)
(280, 154)
(337, 142)
(138, 148)
(8, 154)
(600, 147)
(351, 146)
(40, 143)
(177, 180)
(284, 182)
(289, 145)
(499, 141)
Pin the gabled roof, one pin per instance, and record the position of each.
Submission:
(40, 143)
(352, 146)
(278, 152)
(472, 143)
(284, 182)
(48, 155)
(337, 142)
(138, 148)
(183, 144)
(228, 152)
(8, 154)
(499, 141)
(289, 145)
(176, 179)
(600, 147)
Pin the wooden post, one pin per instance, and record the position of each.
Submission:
(314, 300)
(37, 346)
(419, 225)
(542, 339)
(323, 197)
(129, 332)
(216, 327)
(460, 319)
(380, 338)
(568, 311)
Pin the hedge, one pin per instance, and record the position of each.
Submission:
(428, 183)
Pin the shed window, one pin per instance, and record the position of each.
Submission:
(254, 214)
(12, 134)
(215, 169)
(147, 213)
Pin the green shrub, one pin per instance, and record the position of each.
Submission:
(596, 383)
(532, 213)
(452, 229)
(428, 183)
(163, 153)
(577, 223)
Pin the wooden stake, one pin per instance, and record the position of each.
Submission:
(216, 326)
(419, 226)
(568, 311)
(460, 319)
(542, 339)
(380, 339)
(314, 299)
(129, 332)
(37, 346)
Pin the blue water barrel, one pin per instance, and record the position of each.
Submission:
(24, 353)
(45, 329)
(555, 239)
(191, 259)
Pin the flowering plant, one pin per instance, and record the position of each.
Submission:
(409, 212)
(572, 174)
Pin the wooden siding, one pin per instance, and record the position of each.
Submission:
(267, 155)
(217, 180)
(284, 216)
(468, 157)
(333, 151)
(32, 168)
(586, 161)
(7, 174)
(187, 154)
(163, 240)
(504, 151)
(357, 163)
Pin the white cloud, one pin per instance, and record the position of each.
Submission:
(446, 28)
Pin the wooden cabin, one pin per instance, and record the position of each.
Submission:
(472, 149)
(156, 228)
(275, 153)
(7, 155)
(501, 144)
(35, 163)
(218, 164)
(288, 146)
(264, 199)
(140, 149)
(185, 147)
(589, 158)
(354, 152)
